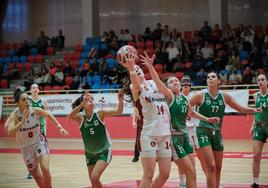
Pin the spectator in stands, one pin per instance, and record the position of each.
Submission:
(83, 84)
(161, 54)
(216, 33)
(113, 76)
(68, 70)
(157, 33)
(205, 31)
(247, 76)
(42, 43)
(103, 70)
(147, 35)
(233, 59)
(255, 59)
(198, 62)
(60, 40)
(265, 58)
(248, 35)
(177, 40)
(166, 35)
(220, 61)
(201, 78)
(24, 49)
(207, 51)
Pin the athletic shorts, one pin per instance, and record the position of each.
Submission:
(260, 132)
(92, 159)
(32, 153)
(191, 135)
(155, 146)
(180, 146)
(205, 137)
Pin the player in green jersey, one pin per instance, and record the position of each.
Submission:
(37, 102)
(179, 108)
(96, 139)
(260, 127)
(209, 146)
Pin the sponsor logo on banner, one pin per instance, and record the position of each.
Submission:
(62, 104)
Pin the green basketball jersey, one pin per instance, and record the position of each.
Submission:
(262, 102)
(95, 135)
(212, 107)
(178, 112)
(39, 104)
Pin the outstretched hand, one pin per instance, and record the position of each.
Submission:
(130, 59)
(121, 94)
(63, 132)
(214, 120)
(147, 61)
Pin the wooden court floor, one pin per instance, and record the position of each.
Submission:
(69, 170)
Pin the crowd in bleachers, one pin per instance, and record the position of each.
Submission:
(238, 54)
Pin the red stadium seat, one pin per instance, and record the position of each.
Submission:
(179, 75)
(47, 89)
(187, 35)
(149, 44)
(4, 84)
(78, 48)
(69, 80)
(132, 44)
(39, 59)
(140, 44)
(27, 67)
(76, 56)
(31, 59)
(67, 56)
(20, 67)
(50, 51)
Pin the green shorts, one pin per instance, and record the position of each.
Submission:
(205, 137)
(91, 159)
(180, 146)
(260, 132)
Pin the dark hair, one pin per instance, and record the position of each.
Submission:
(127, 91)
(186, 80)
(17, 93)
(78, 101)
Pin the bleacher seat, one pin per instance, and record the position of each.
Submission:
(15, 59)
(27, 67)
(34, 51)
(39, 59)
(20, 67)
(187, 35)
(149, 44)
(31, 59)
(8, 60)
(78, 48)
(4, 84)
(48, 88)
(67, 56)
(23, 59)
(140, 44)
(69, 80)
(50, 51)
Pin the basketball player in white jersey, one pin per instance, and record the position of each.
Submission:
(155, 121)
(24, 122)
(190, 123)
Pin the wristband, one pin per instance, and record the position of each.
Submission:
(132, 72)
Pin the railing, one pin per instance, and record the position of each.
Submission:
(9, 103)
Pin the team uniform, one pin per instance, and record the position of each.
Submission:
(154, 122)
(180, 141)
(32, 142)
(39, 104)
(209, 133)
(191, 123)
(260, 128)
(96, 139)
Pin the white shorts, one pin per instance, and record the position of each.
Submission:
(155, 146)
(32, 153)
(191, 135)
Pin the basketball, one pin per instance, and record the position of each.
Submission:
(125, 50)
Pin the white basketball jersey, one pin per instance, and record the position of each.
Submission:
(30, 132)
(155, 111)
(190, 121)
